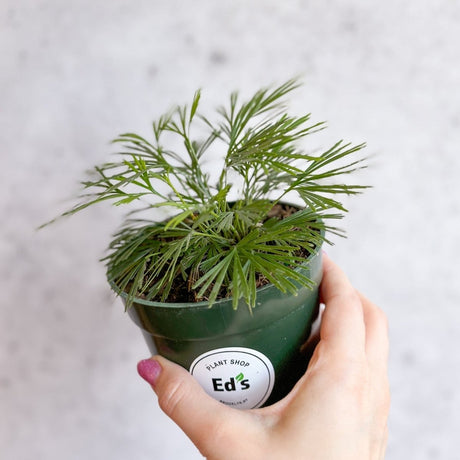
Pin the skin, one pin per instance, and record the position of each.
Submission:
(337, 411)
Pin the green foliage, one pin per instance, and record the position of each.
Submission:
(216, 244)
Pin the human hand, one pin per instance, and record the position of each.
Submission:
(337, 411)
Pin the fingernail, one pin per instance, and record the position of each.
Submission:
(149, 370)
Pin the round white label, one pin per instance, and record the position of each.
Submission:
(239, 377)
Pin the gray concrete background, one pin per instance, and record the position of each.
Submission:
(74, 74)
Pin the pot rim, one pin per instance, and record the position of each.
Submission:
(202, 304)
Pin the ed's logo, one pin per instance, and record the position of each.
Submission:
(230, 385)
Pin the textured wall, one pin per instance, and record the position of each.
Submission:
(74, 74)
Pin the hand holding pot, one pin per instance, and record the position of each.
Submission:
(338, 409)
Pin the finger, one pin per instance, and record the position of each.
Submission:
(383, 444)
(377, 346)
(183, 400)
(209, 424)
(342, 326)
(377, 343)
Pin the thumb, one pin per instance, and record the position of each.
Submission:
(183, 400)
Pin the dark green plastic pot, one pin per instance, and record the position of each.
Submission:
(277, 328)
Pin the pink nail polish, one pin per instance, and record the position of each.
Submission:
(149, 370)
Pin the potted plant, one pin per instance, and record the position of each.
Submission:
(227, 286)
